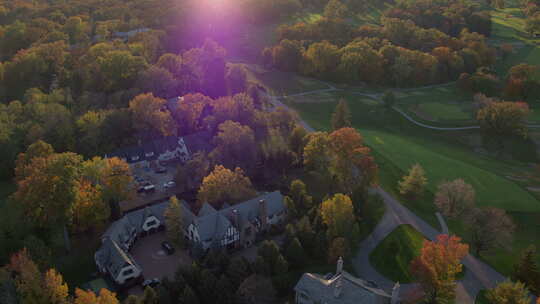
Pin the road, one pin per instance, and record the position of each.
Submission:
(477, 277)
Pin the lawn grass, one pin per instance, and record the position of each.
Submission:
(282, 83)
(445, 111)
(397, 144)
(394, 254)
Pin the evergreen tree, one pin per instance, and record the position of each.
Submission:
(295, 254)
(341, 118)
(132, 299)
(412, 185)
(526, 270)
(188, 296)
(281, 266)
(207, 287)
(261, 267)
(238, 271)
(225, 290)
(389, 99)
(173, 220)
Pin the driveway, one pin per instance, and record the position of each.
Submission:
(154, 262)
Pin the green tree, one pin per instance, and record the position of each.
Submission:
(341, 118)
(236, 78)
(235, 146)
(174, 222)
(413, 184)
(509, 292)
(225, 290)
(302, 201)
(281, 266)
(269, 251)
(297, 141)
(150, 296)
(526, 270)
(338, 215)
(189, 296)
(335, 9)
(295, 254)
(389, 99)
(501, 119)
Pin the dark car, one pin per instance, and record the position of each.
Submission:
(169, 249)
(161, 170)
(151, 282)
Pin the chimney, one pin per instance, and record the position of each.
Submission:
(236, 222)
(339, 268)
(263, 214)
(338, 287)
(395, 294)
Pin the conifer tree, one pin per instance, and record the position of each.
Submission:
(173, 220)
(188, 296)
(341, 118)
(526, 270)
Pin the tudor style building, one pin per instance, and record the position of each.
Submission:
(231, 227)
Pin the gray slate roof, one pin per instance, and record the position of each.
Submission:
(353, 290)
(113, 258)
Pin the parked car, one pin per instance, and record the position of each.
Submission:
(169, 249)
(141, 190)
(149, 188)
(161, 170)
(169, 184)
(151, 282)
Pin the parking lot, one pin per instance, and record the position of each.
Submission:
(154, 261)
(150, 176)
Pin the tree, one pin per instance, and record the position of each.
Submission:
(281, 266)
(509, 293)
(295, 254)
(189, 296)
(237, 271)
(489, 228)
(389, 99)
(453, 198)
(338, 248)
(236, 78)
(223, 185)
(27, 278)
(49, 191)
(276, 154)
(351, 164)
(256, 290)
(437, 266)
(89, 297)
(526, 270)
(302, 201)
(148, 115)
(269, 251)
(317, 152)
(235, 146)
(158, 81)
(89, 210)
(297, 141)
(190, 175)
(150, 296)
(174, 222)
(413, 184)
(341, 118)
(37, 149)
(335, 9)
(225, 290)
(338, 215)
(501, 119)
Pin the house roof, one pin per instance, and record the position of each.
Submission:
(200, 141)
(206, 209)
(113, 258)
(353, 290)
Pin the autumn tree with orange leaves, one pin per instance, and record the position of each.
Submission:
(343, 157)
(437, 266)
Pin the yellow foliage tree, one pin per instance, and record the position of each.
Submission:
(223, 185)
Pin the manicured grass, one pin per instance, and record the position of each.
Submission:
(404, 144)
(394, 254)
(445, 111)
(397, 144)
(282, 83)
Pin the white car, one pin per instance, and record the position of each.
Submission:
(169, 184)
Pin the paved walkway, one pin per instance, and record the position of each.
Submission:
(477, 277)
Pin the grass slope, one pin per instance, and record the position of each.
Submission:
(394, 254)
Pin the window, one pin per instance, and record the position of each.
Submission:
(127, 272)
